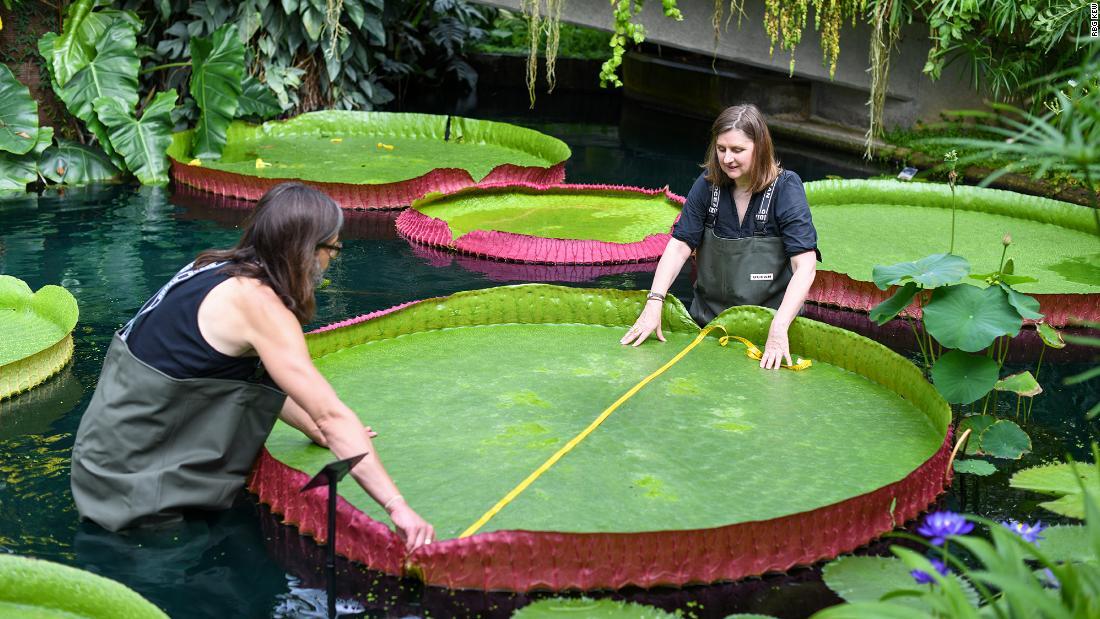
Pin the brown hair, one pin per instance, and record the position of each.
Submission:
(279, 244)
(748, 118)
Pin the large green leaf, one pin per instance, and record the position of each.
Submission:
(217, 65)
(144, 143)
(37, 589)
(963, 378)
(1062, 480)
(111, 73)
(884, 312)
(1022, 383)
(257, 100)
(928, 272)
(33, 330)
(1005, 439)
(73, 49)
(16, 171)
(76, 164)
(1067, 542)
(867, 579)
(970, 318)
(18, 115)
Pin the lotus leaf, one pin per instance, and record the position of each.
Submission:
(39, 589)
(867, 579)
(886, 311)
(18, 114)
(588, 608)
(1026, 305)
(76, 164)
(963, 378)
(976, 424)
(928, 272)
(1023, 384)
(1050, 336)
(35, 330)
(969, 318)
(217, 66)
(143, 142)
(975, 467)
(890, 222)
(301, 148)
(1005, 439)
(539, 363)
(1062, 480)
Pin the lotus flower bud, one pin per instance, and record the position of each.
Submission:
(1006, 240)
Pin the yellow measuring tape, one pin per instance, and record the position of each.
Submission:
(750, 350)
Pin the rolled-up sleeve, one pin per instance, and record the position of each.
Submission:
(689, 227)
(792, 213)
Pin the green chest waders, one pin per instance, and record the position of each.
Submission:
(150, 445)
(753, 270)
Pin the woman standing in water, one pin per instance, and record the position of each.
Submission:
(184, 403)
(748, 223)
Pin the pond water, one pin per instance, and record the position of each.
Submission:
(114, 246)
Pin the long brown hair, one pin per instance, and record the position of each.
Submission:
(748, 118)
(279, 244)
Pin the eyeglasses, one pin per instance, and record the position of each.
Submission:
(334, 248)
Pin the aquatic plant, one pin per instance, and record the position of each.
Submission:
(939, 526)
(1014, 573)
(35, 333)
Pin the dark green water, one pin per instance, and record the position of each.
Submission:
(114, 246)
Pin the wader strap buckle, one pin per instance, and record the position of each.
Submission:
(761, 213)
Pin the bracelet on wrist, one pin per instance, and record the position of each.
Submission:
(392, 502)
(655, 296)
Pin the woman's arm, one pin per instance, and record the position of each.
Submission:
(296, 417)
(672, 260)
(804, 267)
(277, 337)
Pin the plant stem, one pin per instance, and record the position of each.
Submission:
(1004, 252)
(170, 65)
(952, 250)
(1038, 366)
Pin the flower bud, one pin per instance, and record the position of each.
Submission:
(1006, 240)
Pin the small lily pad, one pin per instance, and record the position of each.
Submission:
(1067, 542)
(976, 424)
(1005, 439)
(1023, 384)
(970, 318)
(1051, 337)
(975, 467)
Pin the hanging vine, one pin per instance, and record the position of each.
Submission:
(884, 34)
(829, 16)
(553, 39)
(534, 30)
(625, 30)
(784, 22)
(737, 7)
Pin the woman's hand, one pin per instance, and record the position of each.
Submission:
(777, 348)
(648, 322)
(411, 528)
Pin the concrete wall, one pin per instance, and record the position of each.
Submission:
(911, 95)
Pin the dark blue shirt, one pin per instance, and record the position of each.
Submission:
(791, 220)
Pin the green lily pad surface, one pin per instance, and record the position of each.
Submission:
(863, 223)
(33, 326)
(36, 589)
(472, 393)
(352, 147)
(600, 215)
(590, 609)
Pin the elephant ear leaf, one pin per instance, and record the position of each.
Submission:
(257, 100)
(217, 64)
(16, 171)
(18, 115)
(111, 73)
(143, 143)
(76, 164)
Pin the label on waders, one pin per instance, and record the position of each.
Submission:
(761, 277)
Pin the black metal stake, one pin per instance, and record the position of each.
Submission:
(331, 475)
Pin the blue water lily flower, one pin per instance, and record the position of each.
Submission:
(924, 578)
(1028, 532)
(938, 526)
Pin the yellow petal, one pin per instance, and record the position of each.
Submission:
(336, 140)
(387, 146)
(378, 145)
(195, 162)
(261, 164)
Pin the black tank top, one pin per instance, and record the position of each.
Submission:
(168, 337)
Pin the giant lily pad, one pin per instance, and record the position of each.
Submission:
(40, 589)
(1064, 481)
(594, 609)
(372, 159)
(35, 333)
(471, 393)
(864, 223)
(561, 224)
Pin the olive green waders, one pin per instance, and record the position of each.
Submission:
(150, 446)
(753, 270)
